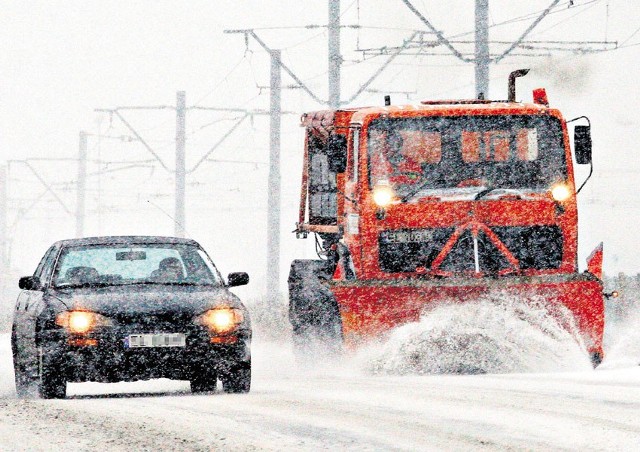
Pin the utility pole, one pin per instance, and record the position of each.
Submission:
(4, 251)
(82, 183)
(179, 171)
(482, 58)
(180, 197)
(3, 226)
(334, 102)
(273, 213)
(335, 59)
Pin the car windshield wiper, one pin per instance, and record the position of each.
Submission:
(168, 283)
(87, 284)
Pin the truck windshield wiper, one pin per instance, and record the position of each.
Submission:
(415, 191)
(483, 193)
(508, 191)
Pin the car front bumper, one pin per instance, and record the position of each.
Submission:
(109, 359)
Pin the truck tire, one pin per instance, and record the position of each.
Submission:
(313, 312)
(317, 342)
(596, 359)
(237, 379)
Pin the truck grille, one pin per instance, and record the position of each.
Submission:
(535, 247)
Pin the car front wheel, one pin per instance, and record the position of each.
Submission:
(22, 380)
(203, 382)
(51, 382)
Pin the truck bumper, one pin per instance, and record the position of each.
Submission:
(370, 308)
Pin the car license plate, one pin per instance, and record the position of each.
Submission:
(155, 340)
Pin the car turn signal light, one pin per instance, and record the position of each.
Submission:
(81, 322)
(221, 320)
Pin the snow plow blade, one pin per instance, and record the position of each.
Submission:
(368, 309)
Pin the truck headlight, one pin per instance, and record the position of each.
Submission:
(560, 192)
(221, 320)
(81, 322)
(383, 194)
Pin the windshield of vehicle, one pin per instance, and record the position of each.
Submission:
(436, 153)
(135, 264)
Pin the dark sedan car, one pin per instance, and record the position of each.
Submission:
(113, 309)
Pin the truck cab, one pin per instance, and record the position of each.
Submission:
(446, 199)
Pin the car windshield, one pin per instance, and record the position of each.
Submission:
(108, 265)
(438, 154)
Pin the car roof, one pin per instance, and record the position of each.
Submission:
(125, 240)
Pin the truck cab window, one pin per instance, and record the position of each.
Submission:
(322, 184)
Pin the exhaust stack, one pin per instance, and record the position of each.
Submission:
(512, 82)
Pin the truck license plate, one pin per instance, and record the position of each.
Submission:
(155, 340)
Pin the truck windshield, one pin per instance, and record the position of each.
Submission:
(523, 152)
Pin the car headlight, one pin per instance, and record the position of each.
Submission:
(80, 322)
(383, 194)
(221, 320)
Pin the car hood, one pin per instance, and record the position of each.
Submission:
(146, 299)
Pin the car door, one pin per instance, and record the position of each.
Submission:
(31, 304)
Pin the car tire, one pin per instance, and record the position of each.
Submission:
(22, 380)
(237, 379)
(203, 382)
(51, 381)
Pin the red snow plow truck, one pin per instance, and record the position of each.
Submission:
(443, 201)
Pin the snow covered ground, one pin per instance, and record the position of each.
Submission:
(343, 407)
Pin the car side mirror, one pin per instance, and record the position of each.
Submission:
(582, 144)
(337, 153)
(237, 279)
(29, 283)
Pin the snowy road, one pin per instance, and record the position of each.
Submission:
(289, 409)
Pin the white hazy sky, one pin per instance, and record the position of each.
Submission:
(60, 60)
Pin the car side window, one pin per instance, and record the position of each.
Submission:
(46, 265)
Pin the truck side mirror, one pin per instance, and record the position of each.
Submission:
(582, 143)
(29, 283)
(337, 153)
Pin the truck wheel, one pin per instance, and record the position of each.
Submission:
(596, 359)
(317, 342)
(51, 381)
(313, 312)
(205, 381)
(237, 379)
